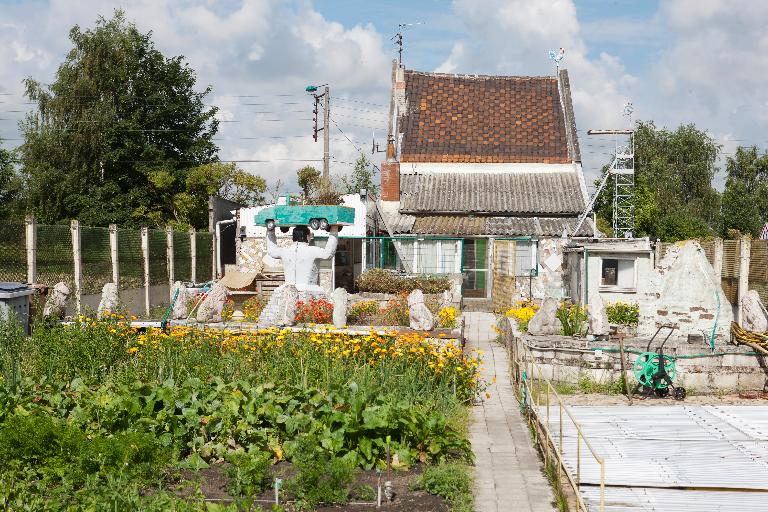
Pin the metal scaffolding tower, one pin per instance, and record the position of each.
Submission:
(622, 170)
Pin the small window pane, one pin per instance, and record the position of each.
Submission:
(610, 272)
(626, 274)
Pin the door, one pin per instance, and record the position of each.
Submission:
(475, 267)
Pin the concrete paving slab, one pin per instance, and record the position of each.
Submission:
(508, 473)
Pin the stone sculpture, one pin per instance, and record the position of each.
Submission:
(110, 301)
(56, 304)
(340, 300)
(300, 266)
(598, 319)
(213, 305)
(753, 316)
(421, 318)
(545, 321)
(181, 306)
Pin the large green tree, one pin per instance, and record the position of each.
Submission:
(112, 139)
(674, 197)
(745, 199)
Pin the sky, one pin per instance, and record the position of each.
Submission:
(676, 61)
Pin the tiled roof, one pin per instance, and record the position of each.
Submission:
(529, 193)
(466, 118)
(462, 225)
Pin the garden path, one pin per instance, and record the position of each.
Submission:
(508, 473)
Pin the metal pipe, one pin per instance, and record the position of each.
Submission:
(218, 243)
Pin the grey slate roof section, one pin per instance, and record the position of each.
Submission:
(531, 193)
(570, 119)
(463, 225)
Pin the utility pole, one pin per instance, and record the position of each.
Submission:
(327, 134)
(326, 95)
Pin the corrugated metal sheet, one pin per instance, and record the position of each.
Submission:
(507, 192)
(670, 448)
(730, 273)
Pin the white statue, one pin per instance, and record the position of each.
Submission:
(300, 259)
(301, 273)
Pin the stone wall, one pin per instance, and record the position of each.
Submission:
(569, 360)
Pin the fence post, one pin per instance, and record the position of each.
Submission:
(169, 256)
(113, 253)
(193, 254)
(145, 257)
(717, 260)
(78, 264)
(31, 237)
(744, 256)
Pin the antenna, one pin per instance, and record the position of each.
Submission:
(398, 39)
(375, 145)
(557, 56)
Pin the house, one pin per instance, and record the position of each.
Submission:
(483, 175)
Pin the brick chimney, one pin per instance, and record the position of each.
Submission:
(390, 175)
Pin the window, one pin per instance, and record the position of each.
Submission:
(618, 273)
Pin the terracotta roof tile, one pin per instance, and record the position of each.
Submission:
(482, 119)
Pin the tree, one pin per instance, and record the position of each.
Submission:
(745, 199)
(361, 178)
(9, 184)
(113, 137)
(309, 179)
(225, 180)
(674, 198)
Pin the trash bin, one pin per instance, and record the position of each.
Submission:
(15, 298)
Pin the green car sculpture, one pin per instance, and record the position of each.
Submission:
(314, 216)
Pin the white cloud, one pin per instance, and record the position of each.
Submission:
(267, 50)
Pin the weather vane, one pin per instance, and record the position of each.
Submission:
(557, 56)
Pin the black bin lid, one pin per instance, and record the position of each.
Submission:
(12, 287)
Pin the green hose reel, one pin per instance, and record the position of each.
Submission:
(647, 365)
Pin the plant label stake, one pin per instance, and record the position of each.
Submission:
(378, 487)
(278, 484)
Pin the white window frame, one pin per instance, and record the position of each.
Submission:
(616, 288)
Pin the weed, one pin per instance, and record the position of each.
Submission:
(609, 387)
(249, 474)
(320, 477)
(553, 475)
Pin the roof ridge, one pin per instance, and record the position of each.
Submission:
(484, 77)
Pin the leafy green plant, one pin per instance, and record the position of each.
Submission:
(11, 344)
(378, 280)
(451, 481)
(623, 313)
(320, 477)
(249, 473)
(573, 319)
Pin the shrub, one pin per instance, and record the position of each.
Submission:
(446, 317)
(363, 312)
(623, 313)
(573, 319)
(316, 311)
(396, 311)
(522, 312)
(378, 280)
(451, 481)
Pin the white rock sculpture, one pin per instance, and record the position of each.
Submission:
(213, 305)
(598, 318)
(753, 315)
(340, 300)
(300, 260)
(545, 321)
(56, 304)
(181, 306)
(281, 309)
(421, 318)
(110, 301)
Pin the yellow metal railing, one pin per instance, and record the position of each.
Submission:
(532, 383)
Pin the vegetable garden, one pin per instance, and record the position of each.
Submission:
(98, 415)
